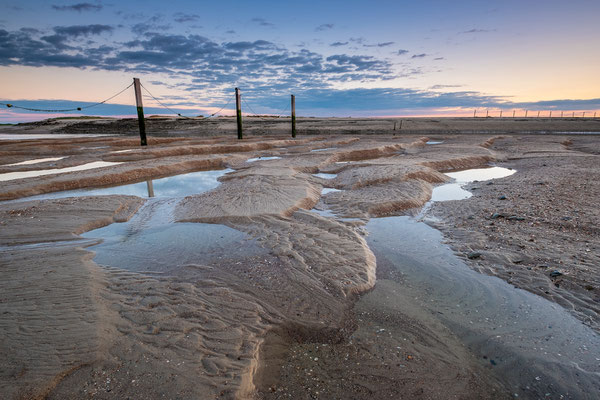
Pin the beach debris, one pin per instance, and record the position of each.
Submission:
(497, 215)
(503, 197)
(473, 255)
(515, 218)
(555, 274)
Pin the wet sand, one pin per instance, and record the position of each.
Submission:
(302, 318)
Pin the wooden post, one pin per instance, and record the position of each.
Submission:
(293, 116)
(514, 111)
(526, 113)
(583, 114)
(500, 113)
(573, 114)
(594, 114)
(474, 113)
(395, 125)
(561, 113)
(140, 110)
(150, 188)
(487, 113)
(538, 114)
(238, 111)
(550, 114)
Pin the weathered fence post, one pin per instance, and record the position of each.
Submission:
(293, 116)
(550, 114)
(526, 113)
(514, 111)
(500, 113)
(474, 113)
(238, 111)
(140, 110)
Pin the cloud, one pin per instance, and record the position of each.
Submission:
(324, 27)
(82, 30)
(182, 18)
(318, 101)
(422, 55)
(79, 7)
(477, 31)
(152, 24)
(262, 22)
(383, 44)
(401, 52)
(437, 87)
(338, 44)
(195, 59)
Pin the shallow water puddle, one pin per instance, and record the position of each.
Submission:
(434, 142)
(31, 136)
(171, 186)
(152, 242)
(329, 190)
(325, 176)
(532, 345)
(263, 159)
(9, 176)
(455, 191)
(325, 149)
(36, 161)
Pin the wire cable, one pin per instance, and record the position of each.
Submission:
(215, 113)
(8, 105)
(164, 106)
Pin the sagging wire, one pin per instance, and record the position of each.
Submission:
(8, 105)
(254, 114)
(215, 113)
(164, 106)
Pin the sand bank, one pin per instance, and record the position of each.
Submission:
(234, 327)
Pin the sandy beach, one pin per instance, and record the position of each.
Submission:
(279, 282)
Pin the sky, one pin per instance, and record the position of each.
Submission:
(339, 58)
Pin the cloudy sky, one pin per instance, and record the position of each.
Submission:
(340, 58)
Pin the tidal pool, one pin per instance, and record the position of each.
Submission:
(171, 186)
(535, 347)
(9, 176)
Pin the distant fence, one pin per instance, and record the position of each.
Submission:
(532, 114)
(291, 106)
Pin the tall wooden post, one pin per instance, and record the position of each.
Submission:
(514, 111)
(474, 113)
(238, 111)
(140, 110)
(583, 115)
(487, 113)
(500, 113)
(150, 188)
(550, 113)
(293, 116)
(561, 113)
(525, 113)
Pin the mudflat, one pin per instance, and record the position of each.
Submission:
(300, 302)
